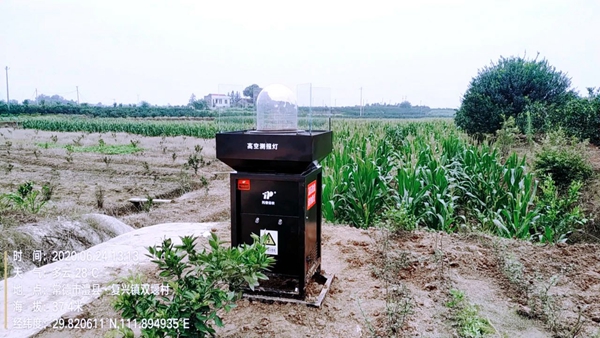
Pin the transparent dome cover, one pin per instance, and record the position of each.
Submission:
(276, 109)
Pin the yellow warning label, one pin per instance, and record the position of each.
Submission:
(269, 240)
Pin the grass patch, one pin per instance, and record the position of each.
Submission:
(466, 316)
(116, 149)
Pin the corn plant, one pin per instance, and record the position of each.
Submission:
(26, 199)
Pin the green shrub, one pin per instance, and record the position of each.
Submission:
(201, 283)
(580, 118)
(559, 216)
(563, 158)
(508, 87)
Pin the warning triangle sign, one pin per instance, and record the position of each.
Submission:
(269, 240)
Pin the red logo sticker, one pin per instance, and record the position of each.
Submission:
(311, 194)
(243, 185)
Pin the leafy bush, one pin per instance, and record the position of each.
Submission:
(563, 158)
(580, 118)
(26, 198)
(508, 87)
(202, 283)
(559, 216)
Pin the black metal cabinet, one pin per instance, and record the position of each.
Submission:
(288, 208)
(276, 192)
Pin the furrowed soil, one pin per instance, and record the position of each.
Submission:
(385, 284)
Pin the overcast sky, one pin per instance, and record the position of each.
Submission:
(162, 51)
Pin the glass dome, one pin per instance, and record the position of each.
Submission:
(276, 109)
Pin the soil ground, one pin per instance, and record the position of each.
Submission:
(386, 285)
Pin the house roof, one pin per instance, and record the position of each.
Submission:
(218, 95)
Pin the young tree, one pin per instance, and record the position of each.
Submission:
(507, 88)
(192, 99)
(252, 91)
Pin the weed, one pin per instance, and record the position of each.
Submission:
(36, 153)
(9, 168)
(545, 306)
(101, 143)
(99, 192)
(107, 160)
(204, 183)
(398, 306)
(54, 138)
(77, 141)
(174, 156)
(48, 191)
(69, 157)
(195, 163)
(198, 148)
(8, 146)
(512, 269)
(134, 143)
(164, 150)
(564, 159)
(506, 137)
(367, 321)
(466, 316)
(559, 216)
(398, 300)
(148, 204)
(457, 297)
(529, 128)
(399, 219)
(146, 166)
(184, 182)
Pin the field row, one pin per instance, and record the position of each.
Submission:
(200, 129)
(403, 174)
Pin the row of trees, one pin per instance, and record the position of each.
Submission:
(200, 108)
(537, 95)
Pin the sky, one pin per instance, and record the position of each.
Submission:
(423, 51)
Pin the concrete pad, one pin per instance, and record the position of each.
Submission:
(45, 294)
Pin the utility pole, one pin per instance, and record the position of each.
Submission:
(77, 87)
(36, 96)
(7, 96)
(361, 102)
(310, 109)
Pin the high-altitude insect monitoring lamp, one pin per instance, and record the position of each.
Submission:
(276, 192)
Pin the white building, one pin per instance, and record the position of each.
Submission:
(215, 101)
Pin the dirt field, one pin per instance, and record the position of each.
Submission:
(385, 286)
